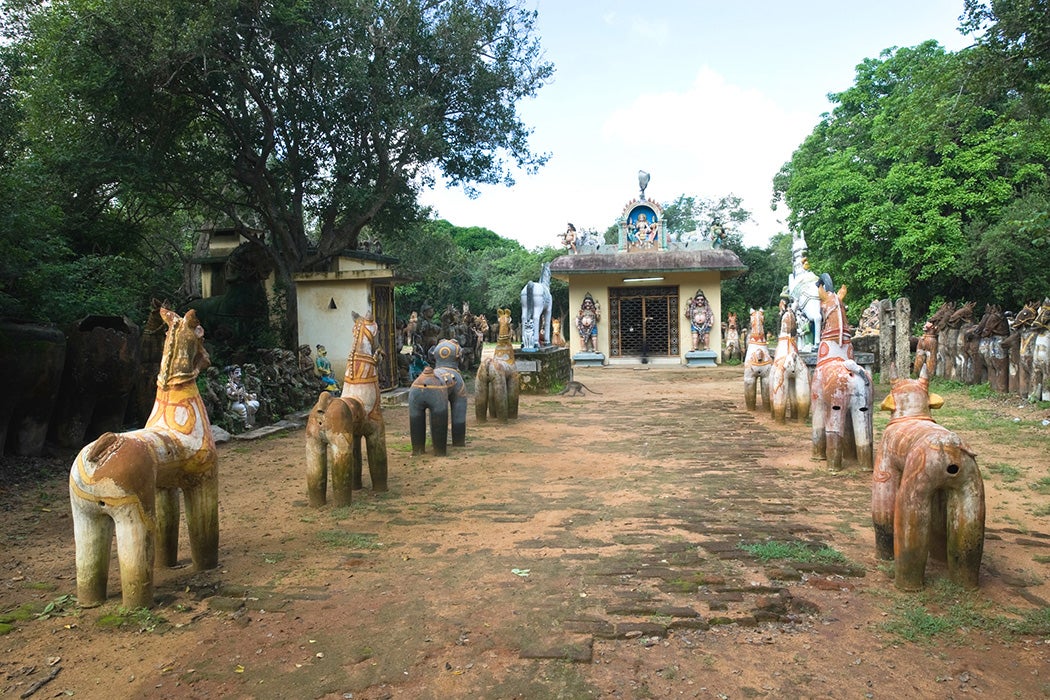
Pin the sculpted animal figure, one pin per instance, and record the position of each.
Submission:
(497, 385)
(927, 496)
(960, 324)
(441, 391)
(757, 363)
(945, 344)
(731, 351)
(1040, 383)
(536, 311)
(789, 376)
(129, 483)
(926, 350)
(841, 390)
(994, 328)
(1018, 349)
(337, 424)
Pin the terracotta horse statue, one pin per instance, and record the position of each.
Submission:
(731, 351)
(129, 483)
(536, 303)
(927, 496)
(841, 390)
(789, 376)
(1040, 381)
(1018, 346)
(993, 329)
(757, 362)
(497, 387)
(336, 426)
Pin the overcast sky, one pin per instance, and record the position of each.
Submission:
(711, 98)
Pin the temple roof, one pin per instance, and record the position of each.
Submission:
(701, 260)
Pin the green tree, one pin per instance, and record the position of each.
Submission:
(889, 187)
(306, 119)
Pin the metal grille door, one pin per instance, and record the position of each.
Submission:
(644, 321)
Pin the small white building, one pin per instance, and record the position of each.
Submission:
(355, 281)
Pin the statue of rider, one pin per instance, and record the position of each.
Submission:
(802, 288)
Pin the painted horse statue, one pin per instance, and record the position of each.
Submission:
(536, 311)
(1040, 381)
(757, 363)
(789, 376)
(337, 424)
(994, 328)
(927, 495)
(1018, 346)
(441, 391)
(129, 483)
(926, 350)
(840, 389)
(731, 351)
(497, 385)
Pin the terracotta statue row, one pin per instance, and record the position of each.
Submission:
(927, 490)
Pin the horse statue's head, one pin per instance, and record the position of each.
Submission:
(834, 325)
(184, 353)
(757, 328)
(940, 317)
(365, 329)
(504, 322)
(788, 323)
(1026, 315)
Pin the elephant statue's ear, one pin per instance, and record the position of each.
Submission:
(936, 401)
(888, 404)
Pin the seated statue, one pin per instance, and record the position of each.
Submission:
(323, 371)
(242, 402)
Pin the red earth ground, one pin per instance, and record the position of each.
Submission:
(593, 548)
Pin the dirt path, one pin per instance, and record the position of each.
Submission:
(590, 549)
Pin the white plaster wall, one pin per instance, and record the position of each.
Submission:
(333, 328)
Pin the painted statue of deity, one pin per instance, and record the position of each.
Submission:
(243, 403)
(323, 371)
(699, 315)
(587, 323)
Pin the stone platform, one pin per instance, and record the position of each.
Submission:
(541, 370)
(701, 358)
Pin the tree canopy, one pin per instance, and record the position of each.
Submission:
(306, 120)
(906, 187)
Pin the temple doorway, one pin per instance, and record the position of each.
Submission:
(644, 321)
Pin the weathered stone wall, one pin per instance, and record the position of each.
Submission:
(541, 371)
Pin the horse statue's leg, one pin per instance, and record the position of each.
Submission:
(375, 441)
(481, 391)
(202, 520)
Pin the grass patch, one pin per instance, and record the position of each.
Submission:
(350, 540)
(944, 613)
(142, 619)
(25, 611)
(1042, 486)
(1006, 472)
(795, 551)
(1042, 511)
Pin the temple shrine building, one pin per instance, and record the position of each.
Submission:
(644, 284)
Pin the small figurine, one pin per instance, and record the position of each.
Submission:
(323, 371)
(568, 238)
(242, 402)
(587, 323)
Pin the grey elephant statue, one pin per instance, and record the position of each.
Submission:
(439, 389)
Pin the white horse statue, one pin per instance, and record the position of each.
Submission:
(802, 288)
(789, 376)
(536, 311)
